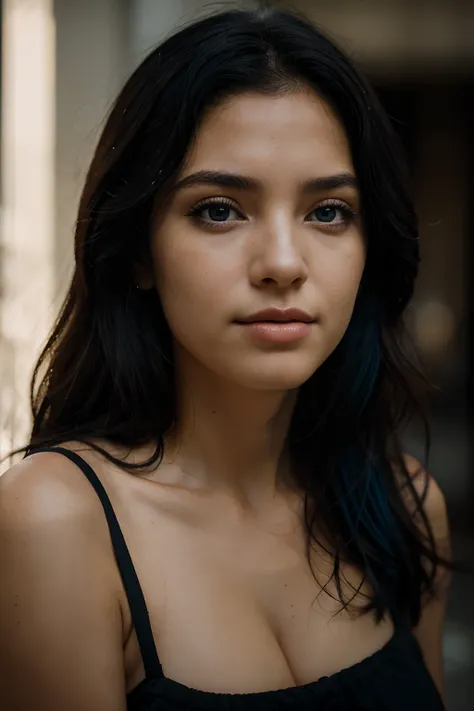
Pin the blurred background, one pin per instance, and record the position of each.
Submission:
(62, 64)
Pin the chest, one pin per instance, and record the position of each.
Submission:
(234, 604)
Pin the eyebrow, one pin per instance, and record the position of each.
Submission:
(244, 182)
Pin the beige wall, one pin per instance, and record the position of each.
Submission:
(27, 209)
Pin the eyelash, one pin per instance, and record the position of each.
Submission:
(349, 214)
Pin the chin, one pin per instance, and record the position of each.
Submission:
(273, 377)
(278, 383)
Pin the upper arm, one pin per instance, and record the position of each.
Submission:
(60, 623)
(429, 630)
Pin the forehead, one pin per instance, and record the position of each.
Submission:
(265, 133)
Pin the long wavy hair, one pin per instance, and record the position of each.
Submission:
(106, 373)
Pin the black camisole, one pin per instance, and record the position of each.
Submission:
(392, 679)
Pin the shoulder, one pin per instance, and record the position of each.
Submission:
(58, 592)
(425, 500)
(44, 489)
(48, 506)
(426, 503)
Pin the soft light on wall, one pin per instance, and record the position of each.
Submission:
(27, 230)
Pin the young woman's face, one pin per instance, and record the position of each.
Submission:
(285, 234)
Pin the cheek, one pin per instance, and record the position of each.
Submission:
(340, 282)
(189, 285)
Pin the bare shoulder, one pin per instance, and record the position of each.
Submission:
(430, 501)
(58, 592)
(425, 496)
(45, 500)
(46, 487)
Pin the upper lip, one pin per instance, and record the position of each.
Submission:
(278, 315)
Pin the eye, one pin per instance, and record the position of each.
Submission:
(218, 212)
(333, 214)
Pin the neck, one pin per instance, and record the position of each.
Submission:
(230, 438)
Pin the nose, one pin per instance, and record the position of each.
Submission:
(278, 259)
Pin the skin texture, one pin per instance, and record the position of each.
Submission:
(218, 517)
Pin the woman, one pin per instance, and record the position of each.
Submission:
(228, 373)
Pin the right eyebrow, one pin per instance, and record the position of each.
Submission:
(219, 179)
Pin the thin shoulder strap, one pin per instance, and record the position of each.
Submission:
(133, 590)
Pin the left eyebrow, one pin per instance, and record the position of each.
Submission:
(244, 182)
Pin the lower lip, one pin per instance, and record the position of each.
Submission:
(278, 332)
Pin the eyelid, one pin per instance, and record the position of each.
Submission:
(336, 202)
(229, 201)
(344, 206)
(212, 201)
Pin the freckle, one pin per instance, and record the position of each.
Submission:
(213, 412)
(291, 605)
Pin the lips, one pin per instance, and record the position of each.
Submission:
(275, 315)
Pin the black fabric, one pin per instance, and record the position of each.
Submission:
(393, 679)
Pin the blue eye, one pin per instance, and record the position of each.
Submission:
(333, 214)
(327, 213)
(217, 211)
